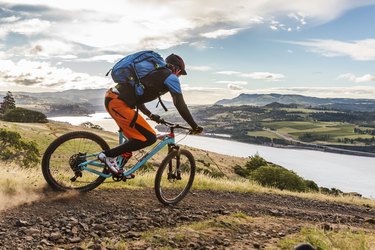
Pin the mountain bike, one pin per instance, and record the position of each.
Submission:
(70, 163)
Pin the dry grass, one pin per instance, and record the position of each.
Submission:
(19, 185)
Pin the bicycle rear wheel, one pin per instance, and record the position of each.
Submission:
(175, 177)
(62, 157)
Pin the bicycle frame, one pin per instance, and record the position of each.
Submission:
(166, 139)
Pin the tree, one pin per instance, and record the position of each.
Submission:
(8, 103)
(24, 115)
(13, 148)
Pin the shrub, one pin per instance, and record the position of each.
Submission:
(13, 148)
(24, 115)
(241, 171)
(255, 162)
(278, 177)
(311, 185)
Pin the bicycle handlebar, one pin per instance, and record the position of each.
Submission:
(174, 125)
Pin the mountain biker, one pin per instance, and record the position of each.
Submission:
(121, 103)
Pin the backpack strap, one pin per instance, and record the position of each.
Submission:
(135, 117)
(162, 104)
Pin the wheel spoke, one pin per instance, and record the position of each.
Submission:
(62, 159)
(175, 177)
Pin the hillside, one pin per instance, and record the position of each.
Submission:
(327, 103)
(225, 213)
(91, 100)
(68, 102)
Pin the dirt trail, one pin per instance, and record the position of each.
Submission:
(69, 220)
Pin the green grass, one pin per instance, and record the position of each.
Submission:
(264, 134)
(334, 130)
(337, 239)
(291, 124)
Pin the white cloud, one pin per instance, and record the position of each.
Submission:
(42, 75)
(25, 27)
(9, 19)
(273, 27)
(198, 68)
(361, 50)
(233, 82)
(221, 33)
(228, 72)
(365, 92)
(234, 87)
(205, 95)
(353, 78)
(267, 76)
(45, 49)
(105, 58)
(129, 25)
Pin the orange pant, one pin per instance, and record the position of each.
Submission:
(123, 115)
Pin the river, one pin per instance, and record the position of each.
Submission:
(346, 172)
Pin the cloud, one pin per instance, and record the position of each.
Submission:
(221, 33)
(104, 58)
(43, 75)
(267, 76)
(198, 68)
(365, 92)
(234, 87)
(150, 24)
(228, 72)
(359, 50)
(205, 95)
(25, 27)
(353, 78)
(233, 82)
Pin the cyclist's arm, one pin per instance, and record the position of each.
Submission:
(174, 86)
(179, 103)
(144, 110)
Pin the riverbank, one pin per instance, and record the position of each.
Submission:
(299, 145)
(106, 122)
(347, 172)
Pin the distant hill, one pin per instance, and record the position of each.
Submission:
(69, 102)
(328, 103)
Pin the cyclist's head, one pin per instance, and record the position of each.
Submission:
(176, 64)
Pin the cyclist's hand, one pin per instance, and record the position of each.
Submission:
(156, 118)
(196, 130)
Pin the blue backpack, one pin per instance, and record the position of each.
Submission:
(132, 68)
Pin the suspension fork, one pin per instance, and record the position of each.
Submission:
(177, 173)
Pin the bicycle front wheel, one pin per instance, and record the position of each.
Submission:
(175, 177)
(60, 163)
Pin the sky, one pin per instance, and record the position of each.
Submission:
(323, 48)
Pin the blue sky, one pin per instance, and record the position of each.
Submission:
(323, 48)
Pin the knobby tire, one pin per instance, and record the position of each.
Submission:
(164, 167)
(58, 144)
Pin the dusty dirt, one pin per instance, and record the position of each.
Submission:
(74, 221)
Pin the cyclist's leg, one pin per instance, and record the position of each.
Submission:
(140, 135)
